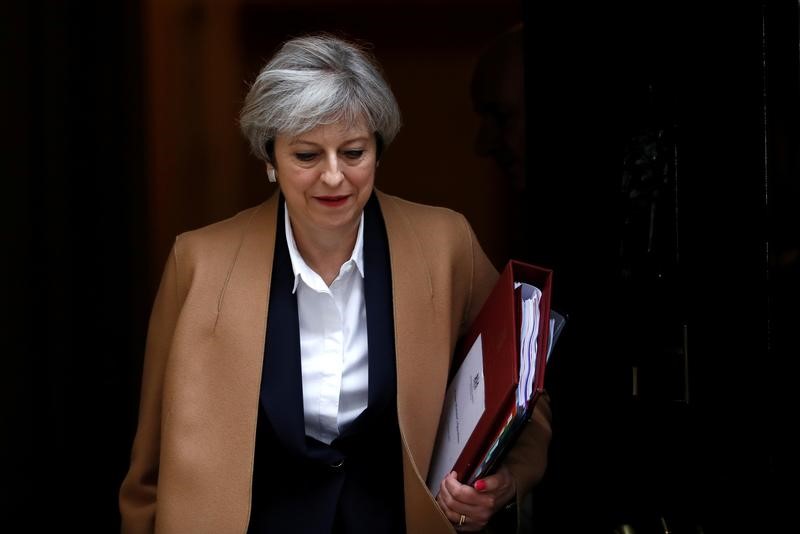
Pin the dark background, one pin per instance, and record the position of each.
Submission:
(708, 320)
(75, 311)
(721, 82)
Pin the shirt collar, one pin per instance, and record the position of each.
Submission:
(303, 271)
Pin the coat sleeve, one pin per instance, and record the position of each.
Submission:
(527, 460)
(139, 491)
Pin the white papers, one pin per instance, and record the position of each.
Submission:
(463, 406)
(528, 341)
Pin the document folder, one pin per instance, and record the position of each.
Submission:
(500, 413)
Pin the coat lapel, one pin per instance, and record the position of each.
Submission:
(421, 370)
(241, 321)
(222, 364)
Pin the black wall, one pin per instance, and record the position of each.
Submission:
(704, 315)
(74, 217)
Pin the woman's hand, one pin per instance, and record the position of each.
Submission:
(469, 508)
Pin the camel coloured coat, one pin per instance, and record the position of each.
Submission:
(192, 460)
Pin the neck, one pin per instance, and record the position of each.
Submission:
(325, 252)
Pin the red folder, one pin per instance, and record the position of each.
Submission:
(498, 324)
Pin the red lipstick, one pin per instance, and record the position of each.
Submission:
(332, 201)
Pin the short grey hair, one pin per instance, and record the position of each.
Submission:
(315, 80)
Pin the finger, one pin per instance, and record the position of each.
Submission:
(468, 525)
(482, 485)
(492, 483)
(500, 486)
(451, 503)
(443, 491)
(467, 495)
(479, 514)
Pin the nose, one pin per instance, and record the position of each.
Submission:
(331, 173)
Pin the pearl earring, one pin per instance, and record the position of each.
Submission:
(271, 175)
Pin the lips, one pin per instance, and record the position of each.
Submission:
(332, 200)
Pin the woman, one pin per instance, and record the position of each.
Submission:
(298, 353)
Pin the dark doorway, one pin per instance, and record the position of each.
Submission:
(663, 156)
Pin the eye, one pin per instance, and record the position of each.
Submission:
(305, 156)
(353, 153)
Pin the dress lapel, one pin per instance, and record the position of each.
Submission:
(281, 381)
(380, 325)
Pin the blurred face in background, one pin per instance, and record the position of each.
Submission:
(498, 96)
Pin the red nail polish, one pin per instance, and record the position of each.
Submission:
(480, 485)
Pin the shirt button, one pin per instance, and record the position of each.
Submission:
(338, 466)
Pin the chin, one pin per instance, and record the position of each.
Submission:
(338, 223)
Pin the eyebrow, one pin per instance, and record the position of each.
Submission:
(298, 141)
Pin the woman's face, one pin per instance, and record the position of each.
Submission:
(326, 176)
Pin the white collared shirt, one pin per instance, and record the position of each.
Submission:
(333, 341)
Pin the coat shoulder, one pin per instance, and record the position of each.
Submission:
(429, 223)
(221, 239)
(222, 230)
